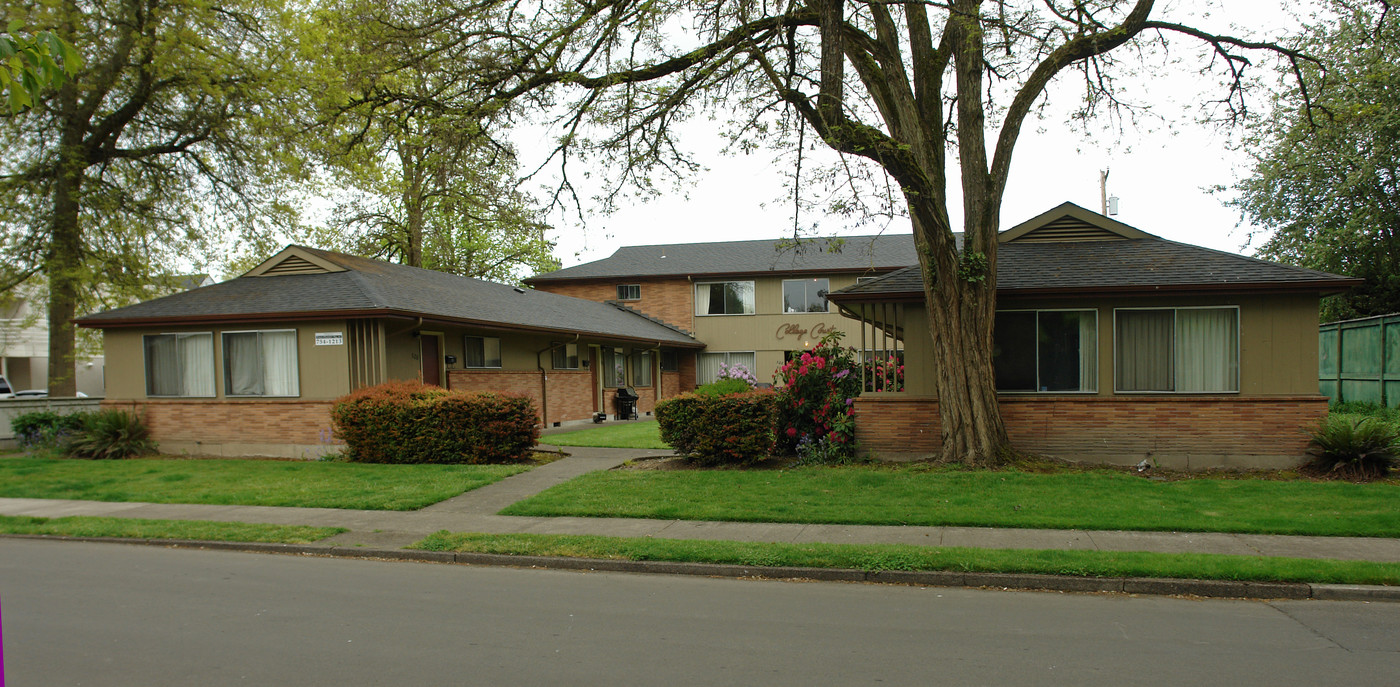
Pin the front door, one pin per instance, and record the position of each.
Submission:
(431, 359)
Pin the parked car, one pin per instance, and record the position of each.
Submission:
(38, 393)
(5, 390)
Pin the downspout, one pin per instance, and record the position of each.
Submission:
(544, 378)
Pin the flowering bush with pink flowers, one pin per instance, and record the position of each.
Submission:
(816, 413)
(884, 373)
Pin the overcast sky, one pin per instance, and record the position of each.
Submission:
(1160, 170)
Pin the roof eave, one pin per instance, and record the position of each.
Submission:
(133, 322)
(694, 276)
(1321, 287)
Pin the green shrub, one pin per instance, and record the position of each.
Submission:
(45, 429)
(1353, 448)
(734, 429)
(410, 422)
(724, 387)
(1375, 410)
(110, 434)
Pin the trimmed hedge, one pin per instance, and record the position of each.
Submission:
(45, 428)
(411, 422)
(736, 429)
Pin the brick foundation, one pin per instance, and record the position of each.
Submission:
(238, 428)
(1188, 433)
(570, 392)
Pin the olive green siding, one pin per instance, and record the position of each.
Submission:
(1278, 339)
(770, 332)
(322, 370)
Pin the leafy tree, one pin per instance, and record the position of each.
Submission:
(901, 90)
(162, 140)
(1327, 182)
(33, 63)
(430, 189)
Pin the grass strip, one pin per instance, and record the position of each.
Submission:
(305, 484)
(204, 530)
(644, 434)
(923, 495)
(874, 557)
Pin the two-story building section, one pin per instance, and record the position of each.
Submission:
(752, 302)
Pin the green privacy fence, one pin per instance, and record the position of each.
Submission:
(1359, 360)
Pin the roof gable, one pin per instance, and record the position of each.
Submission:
(294, 260)
(1069, 222)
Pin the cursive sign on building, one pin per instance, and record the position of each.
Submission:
(796, 330)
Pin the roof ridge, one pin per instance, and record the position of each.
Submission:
(643, 315)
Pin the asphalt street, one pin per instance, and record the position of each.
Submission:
(103, 614)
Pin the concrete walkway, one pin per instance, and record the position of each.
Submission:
(475, 511)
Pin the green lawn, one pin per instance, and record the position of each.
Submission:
(309, 484)
(903, 557)
(919, 495)
(82, 526)
(644, 434)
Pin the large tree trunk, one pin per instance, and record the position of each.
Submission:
(960, 303)
(63, 264)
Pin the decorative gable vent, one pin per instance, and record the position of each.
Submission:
(294, 264)
(1068, 229)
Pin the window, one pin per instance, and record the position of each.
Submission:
(805, 295)
(614, 367)
(670, 361)
(261, 363)
(707, 364)
(629, 292)
(481, 351)
(862, 280)
(1046, 350)
(724, 298)
(1185, 350)
(641, 368)
(565, 356)
(179, 364)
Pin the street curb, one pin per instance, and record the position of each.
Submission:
(1148, 586)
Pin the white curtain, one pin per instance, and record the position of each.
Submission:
(743, 292)
(1144, 350)
(243, 364)
(1207, 350)
(279, 363)
(707, 367)
(745, 359)
(162, 366)
(1088, 351)
(196, 355)
(702, 299)
(641, 368)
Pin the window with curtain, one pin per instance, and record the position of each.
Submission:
(614, 365)
(805, 295)
(1046, 350)
(724, 298)
(481, 351)
(565, 356)
(1183, 350)
(641, 368)
(180, 364)
(707, 364)
(261, 363)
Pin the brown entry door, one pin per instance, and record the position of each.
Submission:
(431, 357)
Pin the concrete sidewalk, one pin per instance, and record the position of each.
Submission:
(475, 511)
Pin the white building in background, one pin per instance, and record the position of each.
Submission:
(24, 344)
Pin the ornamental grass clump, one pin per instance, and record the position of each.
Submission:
(108, 435)
(1353, 448)
(816, 409)
(411, 422)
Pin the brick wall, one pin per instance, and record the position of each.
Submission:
(670, 300)
(570, 392)
(284, 428)
(1192, 433)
